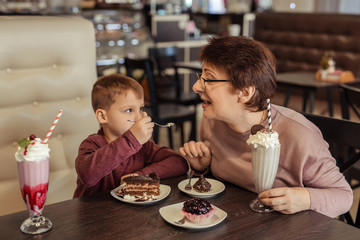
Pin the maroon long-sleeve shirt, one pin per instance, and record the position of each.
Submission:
(100, 165)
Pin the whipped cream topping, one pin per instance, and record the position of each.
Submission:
(37, 150)
(265, 138)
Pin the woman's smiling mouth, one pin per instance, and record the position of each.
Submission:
(205, 101)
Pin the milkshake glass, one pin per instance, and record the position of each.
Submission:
(32, 159)
(265, 160)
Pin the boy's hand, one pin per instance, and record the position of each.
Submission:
(142, 129)
(127, 175)
(197, 153)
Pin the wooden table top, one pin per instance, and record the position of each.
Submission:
(303, 79)
(307, 80)
(104, 217)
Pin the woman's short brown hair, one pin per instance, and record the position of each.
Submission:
(247, 62)
(106, 87)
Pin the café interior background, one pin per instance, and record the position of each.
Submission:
(110, 50)
(178, 6)
(114, 41)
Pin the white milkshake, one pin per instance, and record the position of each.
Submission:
(265, 158)
(32, 159)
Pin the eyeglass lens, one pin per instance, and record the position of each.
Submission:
(202, 80)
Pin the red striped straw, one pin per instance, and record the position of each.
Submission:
(269, 113)
(53, 126)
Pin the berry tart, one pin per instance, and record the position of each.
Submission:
(198, 210)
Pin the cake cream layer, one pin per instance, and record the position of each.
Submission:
(138, 192)
(142, 185)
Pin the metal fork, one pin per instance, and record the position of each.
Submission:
(169, 124)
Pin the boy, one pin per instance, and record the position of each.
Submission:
(121, 147)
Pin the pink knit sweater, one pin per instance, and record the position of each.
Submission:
(305, 160)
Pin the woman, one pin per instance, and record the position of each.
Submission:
(238, 75)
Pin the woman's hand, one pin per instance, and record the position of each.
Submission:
(197, 153)
(286, 200)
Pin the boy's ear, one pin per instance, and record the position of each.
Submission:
(101, 116)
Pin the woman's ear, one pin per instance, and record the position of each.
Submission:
(101, 116)
(246, 94)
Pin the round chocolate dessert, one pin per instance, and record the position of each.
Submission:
(198, 210)
(202, 185)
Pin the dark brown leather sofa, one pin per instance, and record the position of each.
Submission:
(298, 40)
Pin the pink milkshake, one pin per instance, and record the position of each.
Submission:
(32, 159)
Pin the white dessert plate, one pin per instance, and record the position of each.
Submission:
(173, 213)
(216, 188)
(164, 192)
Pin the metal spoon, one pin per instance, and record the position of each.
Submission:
(181, 221)
(169, 124)
(188, 186)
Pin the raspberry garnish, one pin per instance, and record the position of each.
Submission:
(32, 137)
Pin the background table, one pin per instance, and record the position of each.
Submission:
(104, 217)
(308, 83)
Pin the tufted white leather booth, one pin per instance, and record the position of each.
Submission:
(47, 63)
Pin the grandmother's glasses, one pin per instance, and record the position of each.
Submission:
(203, 81)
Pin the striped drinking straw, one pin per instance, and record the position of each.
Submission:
(53, 126)
(269, 113)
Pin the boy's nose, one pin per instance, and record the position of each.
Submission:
(137, 118)
(139, 115)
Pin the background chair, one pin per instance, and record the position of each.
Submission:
(350, 99)
(344, 143)
(46, 64)
(169, 81)
(159, 111)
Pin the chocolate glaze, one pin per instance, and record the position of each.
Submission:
(202, 185)
(152, 178)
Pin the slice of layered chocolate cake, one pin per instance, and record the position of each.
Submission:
(145, 185)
